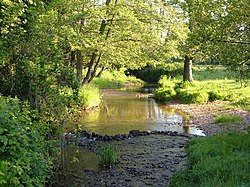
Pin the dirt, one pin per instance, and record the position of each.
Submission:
(203, 116)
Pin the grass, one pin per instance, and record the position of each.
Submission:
(89, 96)
(115, 79)
(220, 160)
(108, 155)
(210, 84)
(227, 119)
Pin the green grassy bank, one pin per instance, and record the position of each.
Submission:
(211, 84)
(220, 160)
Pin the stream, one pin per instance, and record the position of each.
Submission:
(122, 111)
(145, 161)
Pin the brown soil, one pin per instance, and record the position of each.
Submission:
(203, 116)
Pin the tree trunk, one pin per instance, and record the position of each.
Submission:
(79, 64)
(91, 63)
(187, 74)
(91, 72)
(100, 72)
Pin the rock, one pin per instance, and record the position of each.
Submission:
(134, 132)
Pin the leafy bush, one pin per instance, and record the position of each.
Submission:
(166, 92)
(192, 96)
(24, 161)
(215, 95)
(153, 74)
(108, 154)
(228, 119)
(244, 102)
(220, 160)
(89, 96)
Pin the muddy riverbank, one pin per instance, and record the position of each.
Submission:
(203, 116)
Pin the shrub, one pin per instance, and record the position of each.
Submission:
(228, 119)
(192, 96)
(24, 161)
(215, 95)
(166, 92)
(244, 103)
(108, 154)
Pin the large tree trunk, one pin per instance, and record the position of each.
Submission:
(187, 74)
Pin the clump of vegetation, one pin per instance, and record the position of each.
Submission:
(228, 119)
(108, 154)
(216, 164)
(244, 103)
(154, 74)
(218, 87)
(24, 159)
(89, 96)
(166, 92)
(115, 79)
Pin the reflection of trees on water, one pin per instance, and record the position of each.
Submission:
(162, 114)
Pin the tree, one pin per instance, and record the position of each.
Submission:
(218, 29)
(113, 34)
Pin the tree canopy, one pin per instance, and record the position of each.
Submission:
(218, 30)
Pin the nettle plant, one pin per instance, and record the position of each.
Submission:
(24, 161)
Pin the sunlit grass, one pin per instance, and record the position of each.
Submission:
(221, 160)
(228, 119)
(211, 84)
(115, 79)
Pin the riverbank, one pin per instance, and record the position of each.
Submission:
(143, 161)
(203, 116)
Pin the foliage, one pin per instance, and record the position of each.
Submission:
(166, 92)
(108, 154)
(115, 79)
(228, 119)
(89, 96)
(216, 88)
(153, 74)
(24, 160)
(216, 164)
(218, 31)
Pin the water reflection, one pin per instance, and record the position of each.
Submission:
(74, 159)
(123, 111)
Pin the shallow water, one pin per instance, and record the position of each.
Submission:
(122, 111)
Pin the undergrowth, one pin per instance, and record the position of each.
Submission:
(115, 79)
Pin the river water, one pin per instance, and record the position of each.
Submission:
(122, 111)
